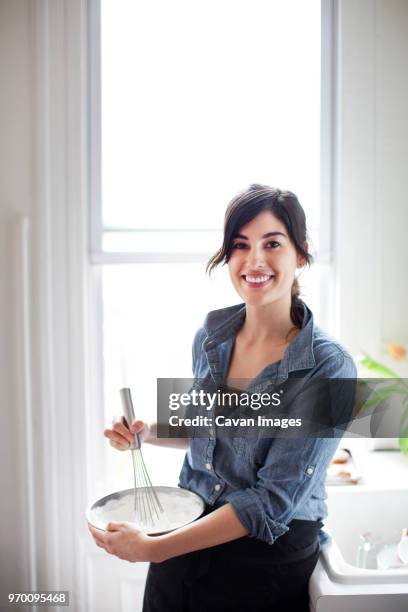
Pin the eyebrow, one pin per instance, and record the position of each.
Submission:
(268, 235)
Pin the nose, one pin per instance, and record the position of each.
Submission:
(255, 258)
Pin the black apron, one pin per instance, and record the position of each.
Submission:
(244, 575)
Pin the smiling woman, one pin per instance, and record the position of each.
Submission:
(261, 491)
(254, 260)
(262, 266)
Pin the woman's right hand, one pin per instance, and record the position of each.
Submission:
(121, 437)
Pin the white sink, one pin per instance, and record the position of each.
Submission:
(337, 584)
(352, 512)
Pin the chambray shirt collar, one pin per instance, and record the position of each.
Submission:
(222, 325)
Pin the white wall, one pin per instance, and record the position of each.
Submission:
(391, 163)
(371, 223)
(372, 216)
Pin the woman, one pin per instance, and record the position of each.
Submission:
(257, 543)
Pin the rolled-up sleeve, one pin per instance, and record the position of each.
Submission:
(294, 467)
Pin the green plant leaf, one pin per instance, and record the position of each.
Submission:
(376, 367)
(404, 432)
(380, 396)
(403, 444)
(403, 438)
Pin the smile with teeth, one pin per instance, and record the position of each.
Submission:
(257, 279)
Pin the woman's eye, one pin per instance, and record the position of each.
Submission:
(243, 245)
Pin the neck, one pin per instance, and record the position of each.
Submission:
(268, 323)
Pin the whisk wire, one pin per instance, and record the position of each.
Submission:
(147, 505)
(149, 483)
(146, 502)
(141, 509)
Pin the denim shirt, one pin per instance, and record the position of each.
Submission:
(268, 481)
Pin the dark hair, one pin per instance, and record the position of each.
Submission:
(285, 206)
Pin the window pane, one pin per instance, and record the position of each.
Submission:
(162, 242)
(199, 99)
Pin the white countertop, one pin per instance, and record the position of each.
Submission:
(380, 469)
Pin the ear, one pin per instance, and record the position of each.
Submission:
(301, 261)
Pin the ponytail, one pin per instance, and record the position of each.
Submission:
(296, 307)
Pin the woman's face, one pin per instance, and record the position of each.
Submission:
(263, 261)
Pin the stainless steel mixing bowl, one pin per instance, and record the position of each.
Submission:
(193, 506)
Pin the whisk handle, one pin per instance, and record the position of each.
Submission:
(129, 412)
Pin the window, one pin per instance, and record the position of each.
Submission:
(197, 100)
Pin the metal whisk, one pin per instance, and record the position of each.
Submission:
(146, 502)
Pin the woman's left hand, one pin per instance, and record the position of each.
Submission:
(125, 541)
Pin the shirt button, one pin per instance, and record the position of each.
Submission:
(208, 466)
(309, 471)
(217, 487)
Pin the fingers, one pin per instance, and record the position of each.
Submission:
(100, 538)
(119, 435)
(137, 426)
(122, 445)
(114, 526)
(116, 440)
(118, 425)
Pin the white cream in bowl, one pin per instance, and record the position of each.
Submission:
(180, 507)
